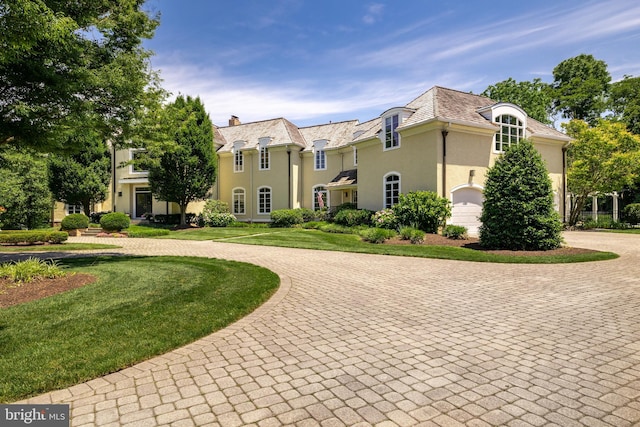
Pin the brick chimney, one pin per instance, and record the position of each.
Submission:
(234, 121)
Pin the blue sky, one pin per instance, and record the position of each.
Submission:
(315, 61)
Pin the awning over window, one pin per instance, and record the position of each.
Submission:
(345, 179)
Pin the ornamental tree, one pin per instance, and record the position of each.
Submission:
(624, 101)
(601, 159)
(534, 97)
(71, 66)
(518, 212)
(81, 178)
(184, 171)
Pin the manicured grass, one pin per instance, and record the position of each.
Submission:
(314, 239)
(138, 308)
(56, 248)
(625, 230)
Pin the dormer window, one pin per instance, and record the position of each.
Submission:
(319, 155)
(264, 162)
(238, 156)
(511, 132)
(391, 138)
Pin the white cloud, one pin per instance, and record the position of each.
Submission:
(374, 12)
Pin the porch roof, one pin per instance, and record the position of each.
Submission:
(345, 179)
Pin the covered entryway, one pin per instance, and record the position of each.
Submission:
(467, 207)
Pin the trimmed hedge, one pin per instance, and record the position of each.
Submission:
(286, 218)
(74, 222)
(353, 217)
(115, 221)
(376, 235)
(32, 237)
(632, 213)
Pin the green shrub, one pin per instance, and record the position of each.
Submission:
(29, 270)
(147, 232)
(307, 214)
(345, 206)
(337, 228)
(216, 219)
(455, 232)
(313, 225)
(286, 218)
(115, 221)
(75, 221)
(632, 213)
(424, 210)
(376, 235)
(173, 219)
(385, 218)
(413, 234)
(518, 210)
(95, 216)
(353, 217)
(32, 237)
(216, 206)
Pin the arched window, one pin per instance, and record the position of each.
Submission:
(264, 200)
(238, 201)
(391, 189)
(510, 132)
(320, 198)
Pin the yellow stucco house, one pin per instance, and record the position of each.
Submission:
(442, 141)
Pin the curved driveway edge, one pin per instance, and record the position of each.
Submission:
(356, 339)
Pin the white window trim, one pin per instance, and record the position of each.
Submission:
(314, 196)
(244, 201)
(238, 154)
(67, 206)
(319, 152)
(264, 149)
(132, 171)
(384, 132)
(355, 156)
(270, 200)
(384, 188)
(522, 127)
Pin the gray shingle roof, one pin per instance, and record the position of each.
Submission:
(281, 131)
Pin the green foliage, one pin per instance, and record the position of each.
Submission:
(313, 225)
(339, 229)
(140, 231)
(217, 219)
(424, 210)
(82, 177)
(376, 235)
(74, 221)
(413, 234)
(32, 237)
(353, 217)
(114, 221)
(216, 206)
(23, 189)
(30, 269)
(68, 67)
(345, 206)
(533, 97)
(307, 214)
(624, 101)
(600, 159)
(518, 212)
(632, 213)
(385, 218)
(580, 87)
(286, 218)
(185, 171)
(455, 232)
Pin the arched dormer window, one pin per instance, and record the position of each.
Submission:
(511, 131)
(238, 156)
(319, 155)
(391, 120)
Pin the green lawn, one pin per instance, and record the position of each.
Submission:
(314, 239)
(138, 308)
(57, 248)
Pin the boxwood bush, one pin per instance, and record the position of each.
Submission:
(455, 232)
(632, 213)
(286, 218)
(115, 221)
(353, 217)
(32, 237)
(75, 221)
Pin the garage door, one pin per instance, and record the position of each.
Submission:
(467, 207)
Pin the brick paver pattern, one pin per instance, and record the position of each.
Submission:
(356, 339)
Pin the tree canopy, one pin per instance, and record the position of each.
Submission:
(71, 66)
(185, 171)
(83, 177)
(624, 102)
(602, 159)
(580, 87)
(518, 211)
(534, 97)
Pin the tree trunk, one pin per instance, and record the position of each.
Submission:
(183, 214)
(576, 209)
(86, 207)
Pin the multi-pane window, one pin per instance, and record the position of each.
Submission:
(238, 201)
(391, 138)
(264, 158)
(391, 190)
(264, 200)
(74, 209)
(320, 198)
(238, 161)
(320, 160)
(355, 156)
(510, 132)
(354, 197)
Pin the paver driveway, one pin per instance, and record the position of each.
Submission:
(353, 339)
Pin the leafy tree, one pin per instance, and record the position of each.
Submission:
(81, 178)
(23, 189)
(69, 66)
(624, 101)
(518, 212)
(533, 97)
(601, 159)
(424, 210)
(580, 87)
(186, 171)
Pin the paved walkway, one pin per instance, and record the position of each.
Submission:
(354, 339)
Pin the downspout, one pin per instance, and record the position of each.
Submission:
(564, 182)
(444, 162)
(289, 173)
(251, 185)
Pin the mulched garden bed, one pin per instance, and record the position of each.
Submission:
(12, 293)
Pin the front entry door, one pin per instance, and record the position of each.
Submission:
(143, 202)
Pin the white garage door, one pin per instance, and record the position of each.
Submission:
(467, 207)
